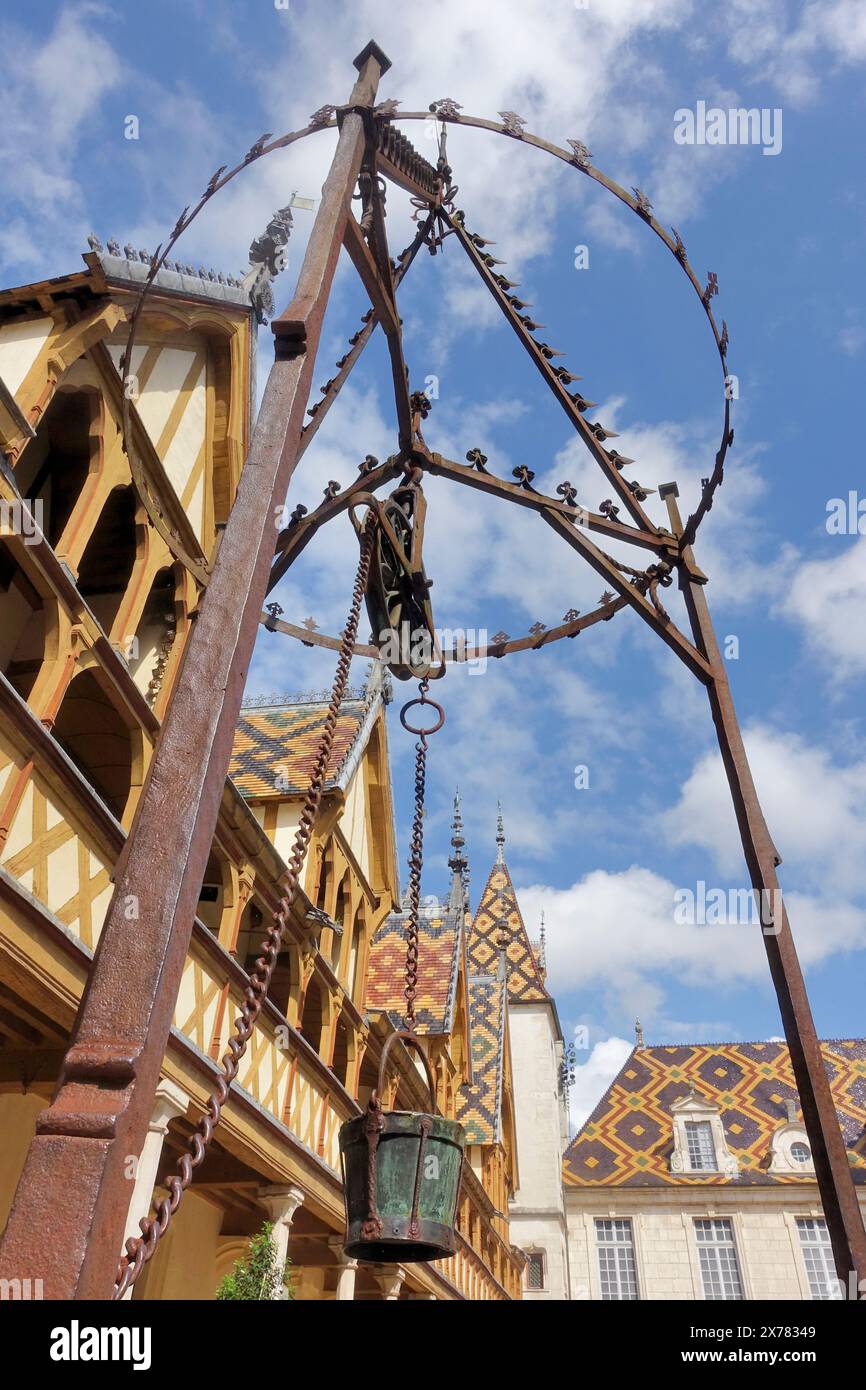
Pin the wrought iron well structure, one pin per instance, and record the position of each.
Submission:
(66, 1224)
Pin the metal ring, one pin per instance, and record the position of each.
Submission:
(422, 700)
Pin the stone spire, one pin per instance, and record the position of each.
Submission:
(500, 835)
(458, 863)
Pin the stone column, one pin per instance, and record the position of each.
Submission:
(281, 1200)
(390, 1279)
(346, 1268)
(170, 1102)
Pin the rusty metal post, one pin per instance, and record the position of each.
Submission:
(67, 1220)
(832, 1169)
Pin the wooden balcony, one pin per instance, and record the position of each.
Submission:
(59, 845)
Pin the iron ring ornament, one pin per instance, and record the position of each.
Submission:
(431, 704)
(448, 112)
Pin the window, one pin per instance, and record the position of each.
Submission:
(720, 1270)
(616, 1266)
(790, 1151)
(818, 1258)
(535, 1272)
(702, 1150)
(700, 1143)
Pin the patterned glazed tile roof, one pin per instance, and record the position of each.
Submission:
(499, 909)
(439, 939)
(628, 1139)
(275, 748)
(479, 1105)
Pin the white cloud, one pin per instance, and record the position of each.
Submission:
(592, 1077)
(614, 938)
(492, 56)
(666, 451)
(51, 91)
(828, 599)
(789, 44)
(815, 808)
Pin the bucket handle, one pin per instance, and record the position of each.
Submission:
(408, 1040)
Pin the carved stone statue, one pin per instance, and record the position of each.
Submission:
(268, 256)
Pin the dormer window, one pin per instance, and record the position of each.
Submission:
(700, 1145)
(790, 1151)
(701, 1149)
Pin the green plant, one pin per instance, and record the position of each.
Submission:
(257, 1275)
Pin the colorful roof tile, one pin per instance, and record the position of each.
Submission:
(479, 1105)
(439, 938)
(275, 748)
(498, 913)
(628, 1139)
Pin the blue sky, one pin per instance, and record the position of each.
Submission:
(783, 233)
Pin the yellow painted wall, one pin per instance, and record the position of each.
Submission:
(193, 1236)
(17, 1126)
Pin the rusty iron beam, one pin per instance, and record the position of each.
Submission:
(603, 565)
(297, 537)
(396, 175)
(659, 542)
(374, 268)
(381, 294)
(533, 641)
(382, 259)
(70, 1207)
(595, 447)
(400, 162)
(829, 1154)
(362, 338)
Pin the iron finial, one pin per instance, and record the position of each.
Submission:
(500, 835)
(638, 1033)
(457, 862)
(372, 50)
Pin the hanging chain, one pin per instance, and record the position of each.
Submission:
(416, 852)
(140, 1249)
(416, 860)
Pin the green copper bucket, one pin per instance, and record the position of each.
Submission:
(401, 1178)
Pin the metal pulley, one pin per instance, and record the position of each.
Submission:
(401, 1177)
(398, 590)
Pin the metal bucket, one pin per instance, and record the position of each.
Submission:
(401, 1178)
